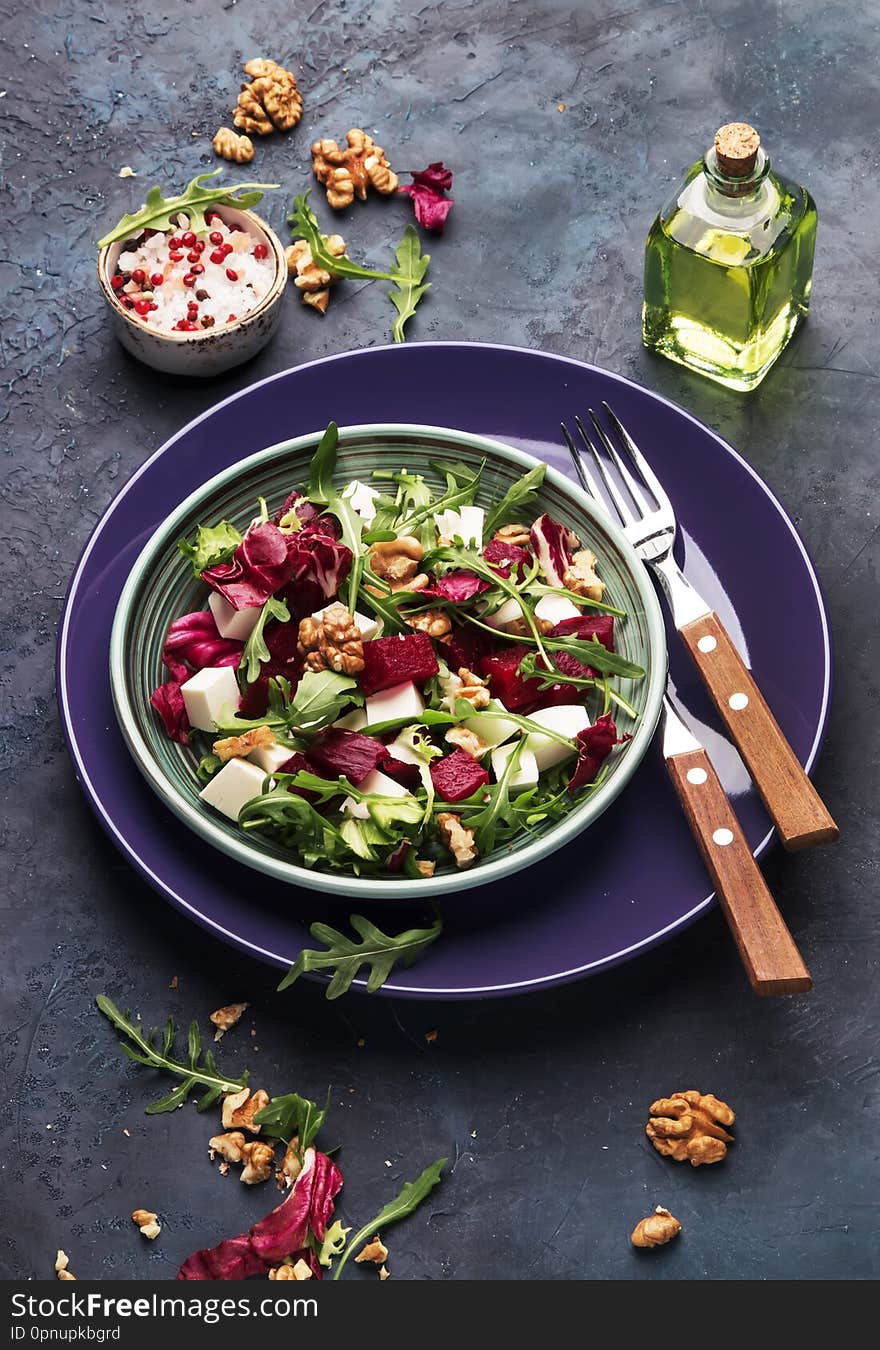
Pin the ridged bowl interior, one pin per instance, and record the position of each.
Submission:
(161, 587)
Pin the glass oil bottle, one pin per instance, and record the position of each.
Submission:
(729, 264)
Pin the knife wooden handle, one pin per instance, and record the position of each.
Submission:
(795, 806)
(772, 961)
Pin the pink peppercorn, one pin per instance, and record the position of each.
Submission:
(227, 248)
(231, 318)
(199, 246)
(232, 274)
(175, 257)
(142, 306)
(261, 251)
(156, 279)
(217, 256)
(197, 268)
(188, 238)
(215, 237)
(139, 275)
(117, 281)
(192, 256)
(175, 241)
(189, 279)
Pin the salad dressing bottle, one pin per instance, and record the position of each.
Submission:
(729, 263)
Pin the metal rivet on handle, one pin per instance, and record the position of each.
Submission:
(723, 837)
(738, 701)
(697, 776)
(707, 643)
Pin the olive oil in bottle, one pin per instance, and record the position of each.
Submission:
(729, 263)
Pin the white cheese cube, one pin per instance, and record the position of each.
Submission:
(526, 772)
(555, 608)
(208, 693)
(237, 783)
(233, 623)
(401, 700)
(363, 499)
(466, 523)
(567, 719)
(507, 613)
(356, 720)
(492, 730)
(270, 758)
(377, 782)
(366, 627)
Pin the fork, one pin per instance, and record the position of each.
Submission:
(797, 810)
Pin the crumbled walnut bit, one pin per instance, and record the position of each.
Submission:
(258, 1159)
(239, 1109)
(229, 145)
(301, 1270)
(291, 1164)
(348, 172)
(431, 1036)
(689, 1127)
(458, 839)
(426, 866)
(332, 643)
(374, 1250)
(66, 1275)
(519, 627)
(271, 100)
(313, 282)
(659, 1228)
(229, 1147)
(62, 1261)
(396, 561)
(238, 747)
(466, 740)
(226, 1018)
(147, 1222)
(435, 622)
(581, 576)
(468, 686)
(384, 1273)
(513, 534)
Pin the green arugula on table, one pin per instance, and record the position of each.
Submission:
(411, 1196)
(344, 956)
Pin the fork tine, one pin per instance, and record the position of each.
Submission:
(640, 462)
(636, 492)
(624, 510)
(588, 482)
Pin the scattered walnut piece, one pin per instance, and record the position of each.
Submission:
(239, 1109)
(348, 172)
(458, 839)
(396, 561)
(313, 282)
(466, 685)
(258, 1159)
(689, 1127)
(333, 642)
(374, 1250)
(229, 1147)
(519, 626)
(431, 1036)
(271, 100)
(238, 747)
(291, 1165)
(426, 866)
(225, 1018)
(435, 622)
(659, 1228)
(513, 534)
(147, 1222)
(384, 1273)
(229, 145)
(62, 1260)
(581, 576)
(467, 740)
(300, 1271)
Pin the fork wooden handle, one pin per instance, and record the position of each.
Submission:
(772, 961)
(795, 806)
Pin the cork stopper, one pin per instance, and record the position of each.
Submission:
(736, 149)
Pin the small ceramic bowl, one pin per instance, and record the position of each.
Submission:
(161, 587)
(217, 349)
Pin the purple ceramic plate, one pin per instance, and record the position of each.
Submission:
(594, 903)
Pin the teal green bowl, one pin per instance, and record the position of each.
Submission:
(161, 587)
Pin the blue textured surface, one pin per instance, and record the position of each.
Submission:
(541, 1103)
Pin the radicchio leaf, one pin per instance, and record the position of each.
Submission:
(456, 586)
(194, 638)
(553, 545)
(282, 1233)
(427, 191)
(168, 702)
(310, 517)
(594, 744)
(259, 567)
(505, 558)
(319, 564)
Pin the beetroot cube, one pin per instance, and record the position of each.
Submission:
(298, 764)
(587, 626)
(394, 660)
(506, 558)
(466, 645)
(504, 683)
(407, 775)
(457, 776)
(337, 752)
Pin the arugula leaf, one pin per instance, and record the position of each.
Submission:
(411, 1196)
(323, 493)
(518, 500)
(333, 1244)
(380, 951)
(409, 283)
(485, 822)
(296, 822)
(320, 697)
(293, 1117)
(530, 669)
(255, 649)
(304, 225)
(160, 213)
(323, 465)
(214, 544)
(140, 1047)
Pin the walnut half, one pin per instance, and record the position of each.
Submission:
(659, 1228)
(333, 642)
(239, 1109)
(458, 839)
(689, 1127)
